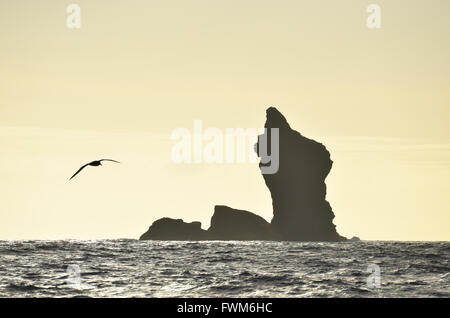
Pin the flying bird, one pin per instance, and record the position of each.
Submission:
(94, 164)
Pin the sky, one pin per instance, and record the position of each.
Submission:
(136, 70)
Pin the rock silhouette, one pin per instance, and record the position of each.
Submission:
(298, 190)
(226, 224)
(174, 229)
(232, 224)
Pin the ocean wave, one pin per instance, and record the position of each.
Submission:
(129, 268)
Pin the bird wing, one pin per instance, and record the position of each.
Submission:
(109, 160)
(79, 171)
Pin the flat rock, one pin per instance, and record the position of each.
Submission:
(174, 229)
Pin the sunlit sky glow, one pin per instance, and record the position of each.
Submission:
(136, 70)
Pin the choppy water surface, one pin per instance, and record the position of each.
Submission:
(130, 268)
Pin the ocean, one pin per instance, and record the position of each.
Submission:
(132, 268)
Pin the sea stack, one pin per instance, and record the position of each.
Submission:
(298, 189)
(174, 230)
(239, 225)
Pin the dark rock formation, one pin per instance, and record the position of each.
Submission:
(300, 211)
(176, 230)
(226, 224)
(232, 224)
(298, 192)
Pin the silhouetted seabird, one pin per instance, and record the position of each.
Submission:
(94, 164)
